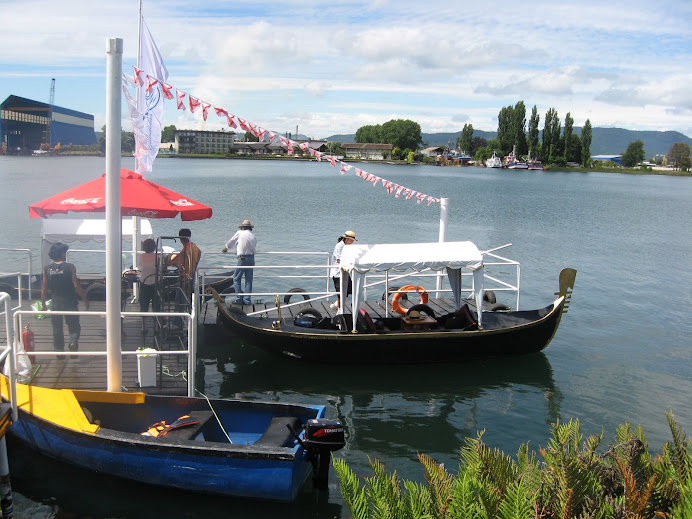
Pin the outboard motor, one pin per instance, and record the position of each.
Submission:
(322, 437)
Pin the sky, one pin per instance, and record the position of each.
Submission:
(331, 67)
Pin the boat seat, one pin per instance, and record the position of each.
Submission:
(189, 433)
(461, 319)
(278, 434)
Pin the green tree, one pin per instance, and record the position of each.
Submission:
(548, 133)
(505, 133)
(586, 144)
(634, 154)
(249, 137)
(482, 154)
(466, 138)
(168, 133)
(403, 133)
(532, 142)
(519, 128)
(369, 133)
(476, 143)
(102, 139)
(677, 154)
(569, 125)
(552, 147)
(573, 149)
(127, 141)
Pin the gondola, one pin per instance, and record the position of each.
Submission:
(260, 450)
(418, 336)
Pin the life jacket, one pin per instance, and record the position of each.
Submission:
(162, 428)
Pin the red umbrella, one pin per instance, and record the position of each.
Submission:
(138, 197)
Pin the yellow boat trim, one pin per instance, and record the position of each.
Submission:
(84, 395)
(58, 406)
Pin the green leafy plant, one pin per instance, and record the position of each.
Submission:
(573, 480)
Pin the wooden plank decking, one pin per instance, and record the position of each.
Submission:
(87, 371)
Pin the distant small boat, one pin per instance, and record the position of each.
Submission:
(493, 162)
(512, 162)
(534, 164)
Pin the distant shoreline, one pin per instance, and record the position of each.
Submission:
(629, 171)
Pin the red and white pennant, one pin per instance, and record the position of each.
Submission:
(260, 133)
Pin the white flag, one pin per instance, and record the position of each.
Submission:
(150, 103)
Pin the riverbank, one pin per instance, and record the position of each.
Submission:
(596, 169)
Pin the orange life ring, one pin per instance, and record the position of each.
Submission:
(396, 307)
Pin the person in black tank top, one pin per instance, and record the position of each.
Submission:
(60, 279)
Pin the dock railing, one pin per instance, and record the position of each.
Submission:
(270, 280)
(8, 350)
(21, 275)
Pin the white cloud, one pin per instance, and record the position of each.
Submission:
(336, 66)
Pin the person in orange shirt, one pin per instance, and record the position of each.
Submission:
(186, 262)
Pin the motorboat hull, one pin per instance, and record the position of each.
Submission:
(206, 463)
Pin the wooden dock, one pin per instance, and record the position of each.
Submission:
(85, 370)
(88, 371)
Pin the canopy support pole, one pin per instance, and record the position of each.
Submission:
(114, 71)
(444, 214)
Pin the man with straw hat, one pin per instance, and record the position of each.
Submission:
(245, 244)
(345, 239)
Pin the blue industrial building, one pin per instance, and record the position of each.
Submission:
(25, 125)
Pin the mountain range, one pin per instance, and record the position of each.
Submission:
(604, 141)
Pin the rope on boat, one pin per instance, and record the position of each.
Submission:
(215, 415)
(165, 370)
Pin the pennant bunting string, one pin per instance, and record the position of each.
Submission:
(141, 78)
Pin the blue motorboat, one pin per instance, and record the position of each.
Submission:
(261, 450)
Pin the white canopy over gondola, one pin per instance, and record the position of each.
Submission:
(357, 260)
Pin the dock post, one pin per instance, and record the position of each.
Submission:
(6, 506)
(444, 214)
(114, 65)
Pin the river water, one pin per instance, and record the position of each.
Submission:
(622, 353)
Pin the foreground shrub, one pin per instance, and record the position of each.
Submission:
(573, 480)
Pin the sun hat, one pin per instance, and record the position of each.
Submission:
(246, 223)
(349, 234)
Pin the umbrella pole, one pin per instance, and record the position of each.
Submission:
(114, 66)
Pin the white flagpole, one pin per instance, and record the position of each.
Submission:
(114, 74)
(135, 220)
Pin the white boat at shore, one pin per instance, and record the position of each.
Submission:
(493, 162)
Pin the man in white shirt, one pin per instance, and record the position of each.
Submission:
(246, 244)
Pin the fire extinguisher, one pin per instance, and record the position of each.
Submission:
(28, 342)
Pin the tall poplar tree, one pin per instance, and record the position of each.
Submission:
(556, 153)
(519, 128)
(586, 144)
(533, 144)
(505, 135)
(465, 139)
(569, 125)
(548, 133)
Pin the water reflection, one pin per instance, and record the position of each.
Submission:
(393, 412)
(46, 488)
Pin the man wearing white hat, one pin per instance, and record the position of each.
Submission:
(245, 244)
(345, 239)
